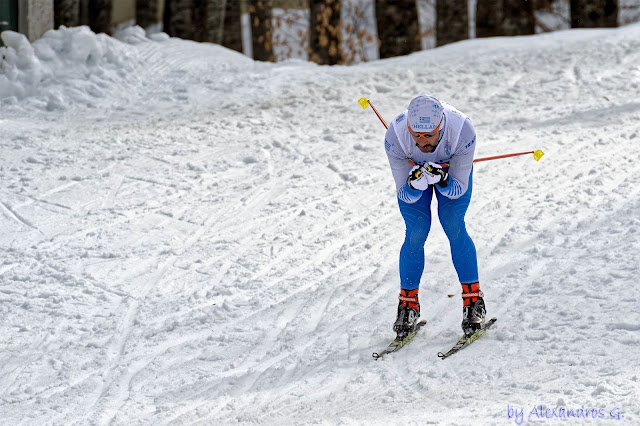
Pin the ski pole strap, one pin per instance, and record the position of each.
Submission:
(471, 292)
(409, 298)
(470, 295)
(403, 298)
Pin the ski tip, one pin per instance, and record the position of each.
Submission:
(376, 356)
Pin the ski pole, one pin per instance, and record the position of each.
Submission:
(364, 102)
(537, 154)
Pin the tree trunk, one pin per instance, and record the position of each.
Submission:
(100, 16)
(505, 18)
(232, 34)
(260, 15)
(487, 20)
(398, 27)
(66, 12)
(178, 18)
(208, 20)
(325, 40)
(146, 13)
(452, 21)
(518, 18)
(594, 13)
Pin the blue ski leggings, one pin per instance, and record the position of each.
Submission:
(417, 218)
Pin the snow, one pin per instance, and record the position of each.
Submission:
(192, 237)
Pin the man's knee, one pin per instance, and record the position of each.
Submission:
(416, 234)
(453, 227)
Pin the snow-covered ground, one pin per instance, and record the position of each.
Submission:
(191, 237)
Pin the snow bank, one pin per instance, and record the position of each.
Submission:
(76, 69)
(66, 66)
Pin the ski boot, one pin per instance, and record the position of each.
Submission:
(408, 313)
(473, 309)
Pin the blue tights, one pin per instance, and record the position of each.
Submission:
(417, 218)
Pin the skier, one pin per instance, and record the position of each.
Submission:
(430, 133)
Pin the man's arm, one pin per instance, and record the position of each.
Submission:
(400, 168)
(461, 163)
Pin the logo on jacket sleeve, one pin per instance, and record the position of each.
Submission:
(467, 146)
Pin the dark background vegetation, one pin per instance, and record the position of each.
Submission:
(327, 39)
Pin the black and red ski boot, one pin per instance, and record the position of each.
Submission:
(473, 309)
(408, 313)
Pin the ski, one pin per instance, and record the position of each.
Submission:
(466, 340)
(396, 344)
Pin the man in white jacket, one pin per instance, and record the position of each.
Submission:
(430, 148)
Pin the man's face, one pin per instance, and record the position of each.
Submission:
(426, 144)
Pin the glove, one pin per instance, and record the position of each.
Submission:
(436, 169)
(421, 177)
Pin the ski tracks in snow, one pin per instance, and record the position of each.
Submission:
(197, 257)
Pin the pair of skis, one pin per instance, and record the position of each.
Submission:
(462, 343)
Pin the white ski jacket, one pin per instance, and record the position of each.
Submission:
(456, 146)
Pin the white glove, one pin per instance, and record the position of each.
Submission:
(421, 177)
(436, 169)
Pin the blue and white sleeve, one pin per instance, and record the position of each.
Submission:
(400, 168)
(461, 163)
